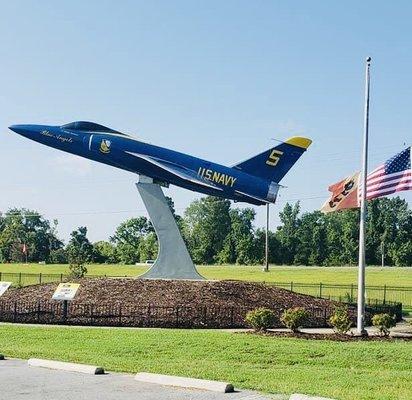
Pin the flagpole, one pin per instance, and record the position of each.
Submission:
(360, 327)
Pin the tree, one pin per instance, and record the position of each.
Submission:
(79, 252)
(148, 247)
(128, 236)
(239, 245)
(105, 252)
(19, 227)
(260, 247)
(206, 224)
(287, 232)
(311, 239)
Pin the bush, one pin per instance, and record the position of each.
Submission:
(77, 271)
(294, 318)
(340, 319)
(384, 322)
(260, 319)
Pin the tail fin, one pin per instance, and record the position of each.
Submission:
(274, 163)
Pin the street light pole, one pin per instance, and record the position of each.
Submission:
(266, 267)
(360, 327)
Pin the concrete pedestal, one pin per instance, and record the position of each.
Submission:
(173, 260)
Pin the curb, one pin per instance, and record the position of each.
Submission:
(65, 366)
(169, 380)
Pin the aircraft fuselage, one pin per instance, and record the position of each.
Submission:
(165, 166)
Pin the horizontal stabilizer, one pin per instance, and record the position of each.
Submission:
(274, 163)
(176, 170)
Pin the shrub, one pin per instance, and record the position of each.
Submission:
(340, 319)
(384, 322)
(77, 271)
(294, 318)
(260, 319)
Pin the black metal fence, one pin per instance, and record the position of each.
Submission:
(58, 312)
(347, 293)
(339, 292)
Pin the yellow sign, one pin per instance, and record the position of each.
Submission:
(66, 291)
(3, 287)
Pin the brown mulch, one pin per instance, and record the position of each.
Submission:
(337, 337)
(170, 293)
(161, 303)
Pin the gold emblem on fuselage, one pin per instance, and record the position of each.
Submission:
(217, 177)
(105, 146)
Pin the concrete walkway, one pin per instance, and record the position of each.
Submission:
(18, 381)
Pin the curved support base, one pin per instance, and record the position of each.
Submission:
(173, 260)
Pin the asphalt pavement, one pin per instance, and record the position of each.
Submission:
(18, 381)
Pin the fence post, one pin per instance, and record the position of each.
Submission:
(40, 278)
(38, 311)
(91, 314)
(148, 315)
(19, 278)
(15, 311)
(0, 275)
(351, 292)
(61, 278)
(320, 289)
(65, 310)
(291, 286)
(384, 294)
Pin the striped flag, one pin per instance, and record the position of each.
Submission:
(392, 176)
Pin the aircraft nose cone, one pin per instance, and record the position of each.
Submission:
(28, 131)
(20, 129)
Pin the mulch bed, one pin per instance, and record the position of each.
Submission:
(169, 303)
(337, 337)
(174, 293)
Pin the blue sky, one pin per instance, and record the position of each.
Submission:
(215, 79)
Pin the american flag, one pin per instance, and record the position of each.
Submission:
(392, 176)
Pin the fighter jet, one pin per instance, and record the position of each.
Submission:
(255, 180)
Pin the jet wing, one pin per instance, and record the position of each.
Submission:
(177, 170)
(253, 198)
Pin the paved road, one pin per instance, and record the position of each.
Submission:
(18, 381)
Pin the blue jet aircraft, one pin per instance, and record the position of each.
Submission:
(255, 180)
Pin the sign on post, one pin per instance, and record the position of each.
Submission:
(66, 291)
(4, 286)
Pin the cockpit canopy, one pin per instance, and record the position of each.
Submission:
(89, 127)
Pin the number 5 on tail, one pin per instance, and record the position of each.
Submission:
(274, 157)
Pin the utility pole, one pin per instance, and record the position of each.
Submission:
(266, 267)
(360, 326)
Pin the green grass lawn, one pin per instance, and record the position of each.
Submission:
(346, 275)
(361, 370)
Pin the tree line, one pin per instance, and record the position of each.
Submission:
(217, 233)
